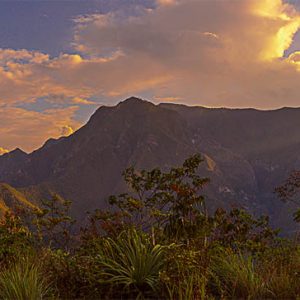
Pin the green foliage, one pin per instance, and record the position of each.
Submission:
(72, 276)
(280, 268)
(52, 223)
(22, 281)
(239, 230)
(185, 273)
(236, 276)
(165, 201)
(15, 238)
(131, 262)
(289, 192)
(156, 241)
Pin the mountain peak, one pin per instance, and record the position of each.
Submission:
(133, 101)
(16, 153)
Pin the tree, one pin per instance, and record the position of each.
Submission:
(52, 223)
(161, 201)
(289, 192)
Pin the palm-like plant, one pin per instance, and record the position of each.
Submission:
(23, 281)
(131, 261)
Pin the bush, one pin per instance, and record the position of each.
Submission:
(185, 273)
(15, 238)
(72, 275)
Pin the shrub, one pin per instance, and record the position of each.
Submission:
(72, 275)
(185, 273)
(15, 238)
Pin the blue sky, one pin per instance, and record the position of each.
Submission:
(47, 25)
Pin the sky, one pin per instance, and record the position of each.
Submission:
(61, 60)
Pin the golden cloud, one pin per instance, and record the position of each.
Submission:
(29, 129)
(211, 53)
(67, 130)
(3, 151)
(206, 52)
(165, 2)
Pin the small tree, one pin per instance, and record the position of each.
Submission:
(289, 192)
(15, 237)
(239, 230)
(162, 201)
(52, 223)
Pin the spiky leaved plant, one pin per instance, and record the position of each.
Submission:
(131, 262)
(23, 281)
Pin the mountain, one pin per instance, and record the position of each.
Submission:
(247, 154)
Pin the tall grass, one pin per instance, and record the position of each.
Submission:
(23, 281)
(281, 273)
(236, 276)
(131, 262)
(191, 287)
(185, 273)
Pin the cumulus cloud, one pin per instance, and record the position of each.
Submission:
(213, 53)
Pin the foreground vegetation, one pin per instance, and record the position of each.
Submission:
(157, 241)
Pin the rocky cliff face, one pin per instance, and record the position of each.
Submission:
(247, 154)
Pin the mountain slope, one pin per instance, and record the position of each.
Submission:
(11, 198)
(247, 152)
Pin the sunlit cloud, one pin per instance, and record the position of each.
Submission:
(67, 130)
(166, 2)
(211, 34)
(211, 53)
(3, 151)
(29, 129)
(168, 99)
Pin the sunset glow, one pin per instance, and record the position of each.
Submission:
(210, 53)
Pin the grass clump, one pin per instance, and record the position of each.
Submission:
(236, 276)
(23, 280)
(131, 262)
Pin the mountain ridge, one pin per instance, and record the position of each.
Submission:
(247, 154)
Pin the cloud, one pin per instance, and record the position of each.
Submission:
(3, 151)
(216, 53)
(67, 130)
(204, 52)
(295, 57)
(29, 129)
(213, 53)
(166, 2)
